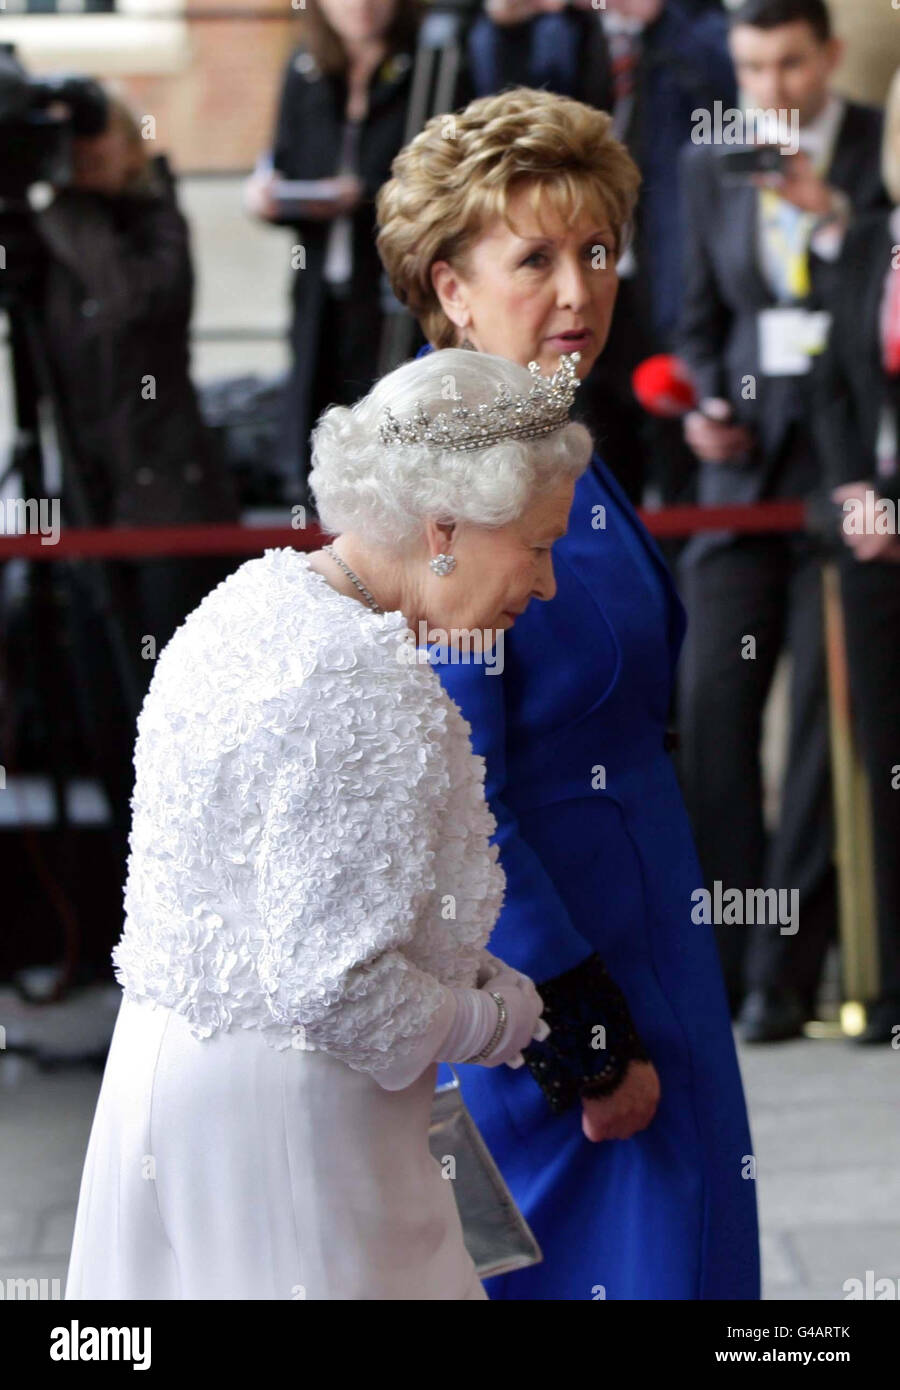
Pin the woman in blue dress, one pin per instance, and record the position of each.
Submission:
(500, 229)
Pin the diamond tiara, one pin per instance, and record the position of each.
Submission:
(509, 416)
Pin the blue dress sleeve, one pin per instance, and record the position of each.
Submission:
(592, 1036)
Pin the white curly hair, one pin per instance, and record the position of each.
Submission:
(387, 492)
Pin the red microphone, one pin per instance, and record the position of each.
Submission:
(664, 386)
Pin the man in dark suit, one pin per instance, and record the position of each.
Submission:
(760, 261)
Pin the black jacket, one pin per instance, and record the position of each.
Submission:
(725, 291)
(116, 311)
(307, 146)
(852, 387)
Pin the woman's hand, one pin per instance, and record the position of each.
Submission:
(260, 200)
(259, 197)
(349, 191)
(630, 1108)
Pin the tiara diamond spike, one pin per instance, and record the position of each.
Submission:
(509, 416)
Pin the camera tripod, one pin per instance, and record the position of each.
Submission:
(42, 611)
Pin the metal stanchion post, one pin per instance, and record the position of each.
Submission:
(853, 824)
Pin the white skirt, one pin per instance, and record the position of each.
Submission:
(222, 1169)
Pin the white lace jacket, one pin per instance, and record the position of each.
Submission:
(310, 840)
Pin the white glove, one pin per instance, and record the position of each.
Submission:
(492, 968)
(476, 1018)
(524, 1006)
(467, 1021)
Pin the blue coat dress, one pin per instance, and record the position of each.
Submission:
(600, 866)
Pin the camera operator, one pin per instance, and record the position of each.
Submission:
(115, 313)
(117, 305)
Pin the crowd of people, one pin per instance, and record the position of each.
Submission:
(717, 266)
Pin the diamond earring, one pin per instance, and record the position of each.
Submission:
(467, 343)
(443, 564)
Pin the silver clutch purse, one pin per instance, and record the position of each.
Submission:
(495, 1232)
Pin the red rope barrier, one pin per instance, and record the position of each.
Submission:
(750, 518)
(152, 542)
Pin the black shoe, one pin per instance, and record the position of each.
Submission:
(882, 1023)
(770, 1016)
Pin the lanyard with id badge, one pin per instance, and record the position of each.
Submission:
(789, 339)
(790, 336)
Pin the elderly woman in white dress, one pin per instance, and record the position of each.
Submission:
(311, 883)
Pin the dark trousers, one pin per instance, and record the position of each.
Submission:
(871, 598)
(151, 597)
(345, 370)
(767, 589)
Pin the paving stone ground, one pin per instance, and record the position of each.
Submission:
(824, 1115)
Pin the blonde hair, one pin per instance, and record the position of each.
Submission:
(890, 146)
(459, 173)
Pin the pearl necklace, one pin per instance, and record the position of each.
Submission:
(354, 578)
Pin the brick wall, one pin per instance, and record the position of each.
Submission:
(218, 113)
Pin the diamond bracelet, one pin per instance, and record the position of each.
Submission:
(497, 1033)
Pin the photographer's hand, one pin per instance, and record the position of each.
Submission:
(800, 184)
